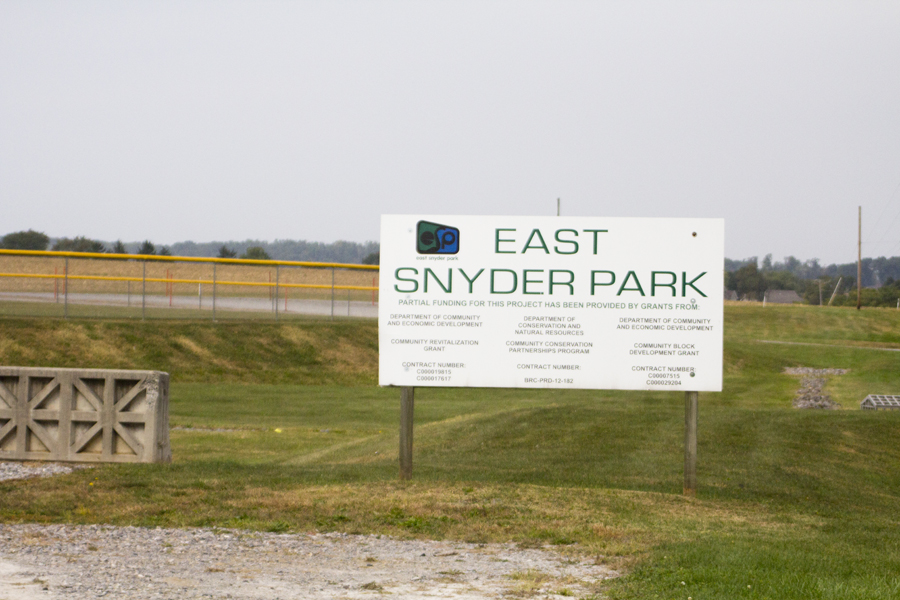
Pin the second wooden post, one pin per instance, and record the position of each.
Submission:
(690, 443)
(407, 395)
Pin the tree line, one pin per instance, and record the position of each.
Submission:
(37, 240)
(834, 284)
(298, 250)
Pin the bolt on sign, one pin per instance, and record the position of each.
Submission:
(551, 302)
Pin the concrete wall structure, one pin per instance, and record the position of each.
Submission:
(84, 415)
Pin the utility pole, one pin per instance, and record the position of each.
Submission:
(859, 264)
(834, 293)
(557, 206)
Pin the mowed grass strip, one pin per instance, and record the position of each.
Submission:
(792, 504)
(823, 324)
(311, 351)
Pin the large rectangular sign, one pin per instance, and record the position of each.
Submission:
(551, 302)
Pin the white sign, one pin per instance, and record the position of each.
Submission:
(551, 302)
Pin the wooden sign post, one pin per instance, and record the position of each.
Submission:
(407, 397)
(690, 443)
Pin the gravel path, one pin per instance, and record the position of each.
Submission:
(67, 561)
(18, 470)
(132, 563)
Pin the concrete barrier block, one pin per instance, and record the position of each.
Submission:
(84, 415)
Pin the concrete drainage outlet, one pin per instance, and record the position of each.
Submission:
(812, 387)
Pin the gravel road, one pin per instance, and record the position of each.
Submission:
(130, 563)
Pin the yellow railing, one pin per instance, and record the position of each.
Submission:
(200, 259)
(193, 259)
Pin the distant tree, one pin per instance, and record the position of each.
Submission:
(767, 263)
(164, 251)
(25, 240)
(118, 248)
(791, 264)
(810, 291)
(338, 252)
(256, 253)
(748, 282)
(147, 247)
(226, 252)
(734, 265)
(783, 280)
(372, 259)
(890, 293)
(78, 244)
(729, 280)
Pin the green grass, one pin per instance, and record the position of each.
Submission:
(308, 351)
(822, 324)
(791, 504)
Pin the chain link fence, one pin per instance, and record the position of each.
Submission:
(123, 286)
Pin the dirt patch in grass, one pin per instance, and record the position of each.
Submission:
(351, 358)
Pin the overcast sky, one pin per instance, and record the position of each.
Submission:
(203, 121)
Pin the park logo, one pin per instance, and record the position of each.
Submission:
(433, 238)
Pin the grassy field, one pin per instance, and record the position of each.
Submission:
(299, 351)
(791, 504)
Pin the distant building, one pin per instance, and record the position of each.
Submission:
(782, 297)
(731, 295)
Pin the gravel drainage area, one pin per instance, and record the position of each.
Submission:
(812, 387)
(129, 563)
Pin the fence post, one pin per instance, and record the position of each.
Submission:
(277, 281)
(214, 292)
(66, 290)
(332, 293)
(690, 443)
(407, 404)
(144, 291)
